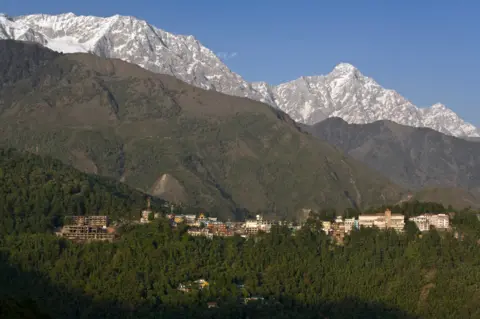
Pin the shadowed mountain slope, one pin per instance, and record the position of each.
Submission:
(414, 158)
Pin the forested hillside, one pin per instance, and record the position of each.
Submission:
(375, 275)
(36, 192)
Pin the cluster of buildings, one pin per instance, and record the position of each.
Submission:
(341, 227)
(211, 226)
(337, 229)
(95, 228)
(201, 225)
(383, 221)
(200, 284)
(86, 229)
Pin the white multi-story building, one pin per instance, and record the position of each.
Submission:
(349, 224)
(254, 225)
(425, 221)
(383, 221)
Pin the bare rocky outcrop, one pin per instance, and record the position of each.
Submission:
(170, 189)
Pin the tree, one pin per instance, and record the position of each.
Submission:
(411, 230)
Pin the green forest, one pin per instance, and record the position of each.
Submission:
(36, 192)
(373, 275)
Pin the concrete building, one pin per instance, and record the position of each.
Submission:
(98, 221)
(350, 224)
(87, 228)
(425, 221)
(383, 221)
(85, 233)
(253, 226)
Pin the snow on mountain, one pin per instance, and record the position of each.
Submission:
(344, 92)
(348, 94)
(132, 40)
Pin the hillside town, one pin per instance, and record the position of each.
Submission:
(98, 228)
(210, 226)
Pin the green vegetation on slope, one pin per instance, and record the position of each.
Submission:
(456, 197)
(229, 154)
(35, 193)
(375, 275)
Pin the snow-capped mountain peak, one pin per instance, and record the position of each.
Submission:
(439, 106)
(132, 40)
(345, 92)
(344, 68)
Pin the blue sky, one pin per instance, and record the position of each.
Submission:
(429, 51)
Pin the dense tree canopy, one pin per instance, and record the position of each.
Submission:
(35, 193)
(375, 274)
(306, 275)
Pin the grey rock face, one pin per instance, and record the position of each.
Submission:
(348, 94)
(344, 92)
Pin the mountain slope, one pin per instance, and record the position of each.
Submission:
(456, 197)
(228, 153)
(344, 93)
(412, 157)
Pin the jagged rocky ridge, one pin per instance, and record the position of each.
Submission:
(344, 92)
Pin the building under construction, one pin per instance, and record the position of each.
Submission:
(100, 221)
(87, 228)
